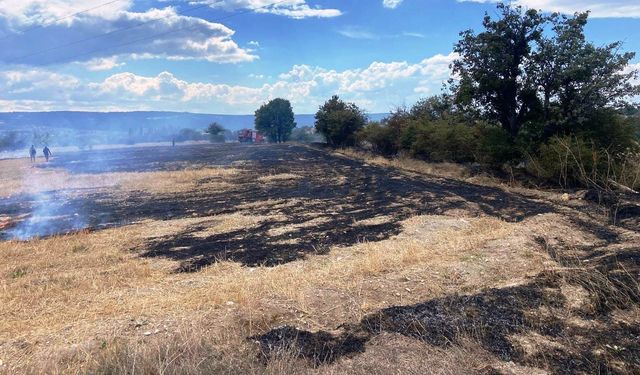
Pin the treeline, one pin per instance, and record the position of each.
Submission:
(530, 92)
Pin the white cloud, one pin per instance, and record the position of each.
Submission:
(155, 33)
(355, 32)
(391, 4)
(35, 84)
(598, 8)
(636, 79)
(297, 9)
(414, 34)
(24, 14)
(378, 88)
(107, 63)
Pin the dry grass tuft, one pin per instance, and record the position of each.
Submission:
(448, 170)
(279, 177)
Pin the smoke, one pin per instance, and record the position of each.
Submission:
(50, 214)
(55, 199)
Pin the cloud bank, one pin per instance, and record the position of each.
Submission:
(297, 9)
(155, 33)
(378, 88)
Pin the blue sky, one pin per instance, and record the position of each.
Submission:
(230, 56)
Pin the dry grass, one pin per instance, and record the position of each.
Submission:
(279, 177)
(449, 170)
(89, 303)
(18, 176)
(445, 170)
(86, 288)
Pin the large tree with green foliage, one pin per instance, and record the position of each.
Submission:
(495, 70)
(338, 122)
(577, 80)
(530, 68)
(275, 119)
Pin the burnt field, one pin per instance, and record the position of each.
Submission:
(286, 258)
(338, 193)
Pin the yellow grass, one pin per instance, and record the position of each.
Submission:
(446, 170)
(279, 177)
(73, 289)
(19, 176)
(68, 301)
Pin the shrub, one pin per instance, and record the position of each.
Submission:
(305, 134)
(216, 132)
(610, 130)
(496, 147)
(441, 141)
(579, 161)
(187, 134)
(339, 122)
(381, 138)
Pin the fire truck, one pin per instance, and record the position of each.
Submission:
(250, 136)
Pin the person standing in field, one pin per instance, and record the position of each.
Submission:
(47, 153)
(32, 154)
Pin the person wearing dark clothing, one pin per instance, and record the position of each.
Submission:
(32, 154)
(46, 152)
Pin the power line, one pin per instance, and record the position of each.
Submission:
(148, 37)
(107, 33)
(59, 19)
(178, 29)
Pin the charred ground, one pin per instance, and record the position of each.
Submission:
(336, 192)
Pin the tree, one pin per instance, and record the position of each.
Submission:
(578, 80)
(495, 67)
(338, 122)
(275, 119)
(216, 132)
(518, 72)
(11, 141)
(436, 107)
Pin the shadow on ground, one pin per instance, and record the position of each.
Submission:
(537, 310)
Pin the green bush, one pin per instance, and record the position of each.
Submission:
(305, 134)
(339, 122)
(442, 141)
(381, 138)
(592, 152)
(496, 147)
(610, 130)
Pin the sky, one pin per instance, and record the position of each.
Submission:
(231, 56)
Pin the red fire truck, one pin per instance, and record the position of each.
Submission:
(250, 136)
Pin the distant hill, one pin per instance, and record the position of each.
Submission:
(131, 121)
